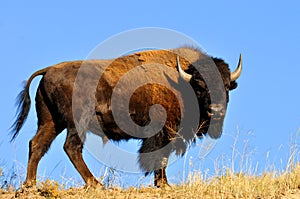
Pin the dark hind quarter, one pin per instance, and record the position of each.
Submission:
(153, 157)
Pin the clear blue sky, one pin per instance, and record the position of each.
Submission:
(265, 107)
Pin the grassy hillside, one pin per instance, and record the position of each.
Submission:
(227, 182)
(229, 185)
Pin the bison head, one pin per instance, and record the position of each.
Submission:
(211, 81)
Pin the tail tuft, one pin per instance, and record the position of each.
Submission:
(23, 104)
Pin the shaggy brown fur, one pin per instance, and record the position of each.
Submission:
(57, 109)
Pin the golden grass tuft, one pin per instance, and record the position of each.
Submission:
(49, 189)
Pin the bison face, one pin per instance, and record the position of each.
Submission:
(212, 91)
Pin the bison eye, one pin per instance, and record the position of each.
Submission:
(200, 84)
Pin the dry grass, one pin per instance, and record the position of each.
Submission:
(226, 183)
(229, 185)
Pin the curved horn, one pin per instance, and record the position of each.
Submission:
(187, 77)
(236, 74)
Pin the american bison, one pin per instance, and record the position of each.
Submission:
(65, 96)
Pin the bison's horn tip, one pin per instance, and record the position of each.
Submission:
(236, 74)
(187, 77)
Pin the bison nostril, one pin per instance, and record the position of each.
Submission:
(216, 110)
(216, 107)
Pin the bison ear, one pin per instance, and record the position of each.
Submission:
(233, 85)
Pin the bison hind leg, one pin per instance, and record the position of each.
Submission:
(38, 146)
(73, 147)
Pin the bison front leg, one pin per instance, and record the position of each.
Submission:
(160, 178)
(73, 147)
(153, 157)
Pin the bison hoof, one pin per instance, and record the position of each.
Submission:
(161, 184)
(28, 184)
(25, 189)
(94, 185)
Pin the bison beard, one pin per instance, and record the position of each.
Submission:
(58, 110)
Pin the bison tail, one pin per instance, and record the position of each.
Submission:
(23, 101)
(23, 105)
